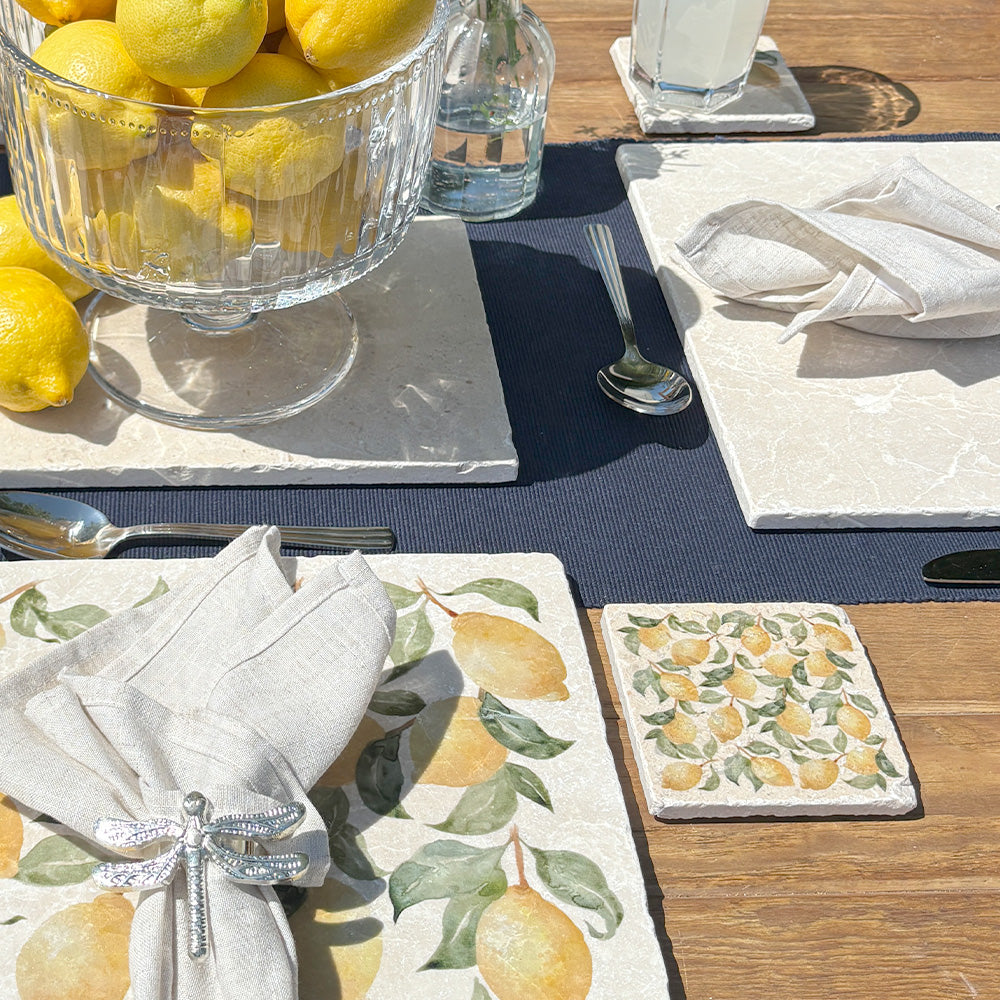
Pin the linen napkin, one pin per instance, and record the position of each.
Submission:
(902, 254)
(233, 685)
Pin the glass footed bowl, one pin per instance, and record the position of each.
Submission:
(225, 232)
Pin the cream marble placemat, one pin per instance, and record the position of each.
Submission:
(755, 710)
(838, 429)
(481, 777)
(422, 404)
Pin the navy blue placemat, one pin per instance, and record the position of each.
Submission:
(637, 508)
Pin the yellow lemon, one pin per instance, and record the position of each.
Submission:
(771, 772)
(794, 719)
(11, 837)
(679, 687)
(192, 43)
(64, 11)
(43, 344)
(688, 652)
(832, 637)
(755, 640)
(341, 771)
(654, 636)
(725, 723)
(818, 774)
(96, 132)
(862, 760)
(528, 949)
(779, 664)
(189, 97)
(278, 154)
(275, 15)
(79, 953)
(19, 249)
(742, 684)
(287, 46)
(680, 776)
(338, 942)
(853, 722)
(680, 729)
(357, 38)
(819, 665)
(507, 658)
(449, 745)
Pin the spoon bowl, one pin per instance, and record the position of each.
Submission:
(632, 381)
(43, 526)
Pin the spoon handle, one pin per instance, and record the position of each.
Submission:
(602, 246)
(370, 538)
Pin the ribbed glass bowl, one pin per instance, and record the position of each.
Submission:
(226, 231)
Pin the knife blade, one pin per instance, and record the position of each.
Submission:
(974, 568)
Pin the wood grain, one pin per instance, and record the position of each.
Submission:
(857, 909)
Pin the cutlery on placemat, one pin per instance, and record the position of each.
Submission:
(975, 567)
(632, 381)
(43, 526)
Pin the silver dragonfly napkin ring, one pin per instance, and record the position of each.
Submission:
(196, 840)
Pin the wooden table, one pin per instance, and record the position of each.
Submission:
(902, 909)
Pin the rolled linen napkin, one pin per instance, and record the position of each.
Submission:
(902, 254)
(232, 685)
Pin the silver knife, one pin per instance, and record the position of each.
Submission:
(975, 568)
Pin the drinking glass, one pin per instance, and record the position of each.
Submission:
(216, 237)
(694, 54)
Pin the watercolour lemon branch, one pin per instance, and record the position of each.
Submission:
(777, 693)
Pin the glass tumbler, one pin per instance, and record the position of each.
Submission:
(694, 54)
(218, 238)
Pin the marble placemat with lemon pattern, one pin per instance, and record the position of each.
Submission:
(755, 709)
(480, 843)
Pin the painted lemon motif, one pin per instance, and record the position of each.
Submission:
(779, 664)
(655, 637)
(853, 722)
(79, 953)
(689, 652)
(755, 640)
(341, 771)
(11, 837)
(680, 729)
(794, 719)
(450, 746)
(508, 659)
(862, 760)
(742, 684)
(832, 637)
(771, 772)
(818, 774)
(725, 723)
(820, 665)
(528, 949)
(680, 776)
(339, 944)
(679, 687)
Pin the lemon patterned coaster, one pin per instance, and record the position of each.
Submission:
(755, 709)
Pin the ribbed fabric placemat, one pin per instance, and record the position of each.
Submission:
(638, 509)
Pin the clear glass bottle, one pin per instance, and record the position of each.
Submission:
(487, 152)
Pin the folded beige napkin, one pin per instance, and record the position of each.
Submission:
(233, 685)
(903, 254)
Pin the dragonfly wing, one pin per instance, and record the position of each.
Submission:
(271, 825)
(130, 834)
(140, 874)
(263, 869)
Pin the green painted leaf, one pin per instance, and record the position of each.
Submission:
(885, 765)
(793, 692)
(734, 766)
(332, 805)
(880, 781)
(874, 740)
(575, 879)
(663, 744)
(720, 655)
(827, 617)
(525, 782)
(12, 920)
(24, 615)
(660, 718)
(714, 622)
(688, 750)
(768, 681)
(754, 780)
(717, 676)
(744, 661)
(773, 627)
(517, 732)
(401, 597)
(631, 640)
(772, 708)
(398, 702)
(799, 652)
(799, 758)
(740, 618)
(692, 627)
(687, 707)
(831, 716)
(864, 704)
(837, 660)
(759, 747)
(159, 589)
(783, 737)
(710, 748)
(711, 697)
(819, 746)
(824, 701)
(641, 622)
(667, 664)
(482, 808)
(71, 622)
(833, 683)
(56, 861)
(786, 617)
(457, 949)
(379, 776)
(443, 869)
(840, 741)
(350, 854)
(479, 992)
(500, 591)
(799, 632)
(799, 672)
(711, 782)
(863, 781)
(753, 717)
(414, 635)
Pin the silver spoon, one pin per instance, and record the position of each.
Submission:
(633, 381)
(43, 526)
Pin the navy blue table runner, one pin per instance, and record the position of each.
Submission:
(637, 508)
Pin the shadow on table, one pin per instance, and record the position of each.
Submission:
(850, 99)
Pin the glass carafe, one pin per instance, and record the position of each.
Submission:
(487, 151)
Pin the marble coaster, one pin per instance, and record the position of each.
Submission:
(837, 429)
(772, 100)
(755, 710)
(422, 404)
